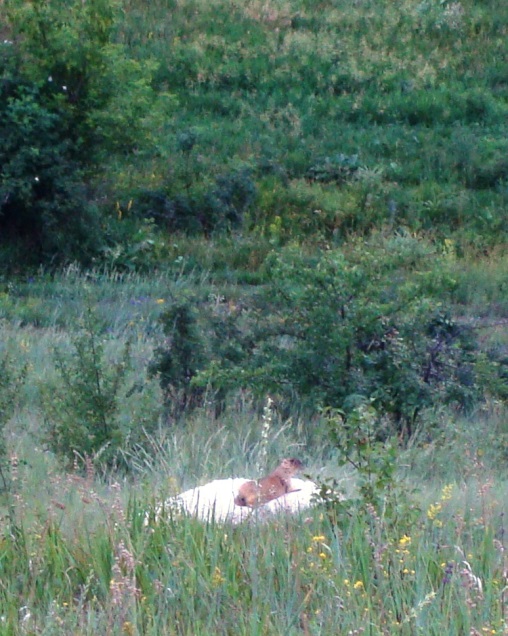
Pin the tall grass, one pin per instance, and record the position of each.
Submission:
(77, 557)
(84, 561)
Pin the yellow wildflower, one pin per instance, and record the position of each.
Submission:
(128, 628)
(434, 510)
(446, 493)
(217, 577)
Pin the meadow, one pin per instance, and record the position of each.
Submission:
(235, 232)
(424, 552)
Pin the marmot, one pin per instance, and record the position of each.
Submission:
(254, 493)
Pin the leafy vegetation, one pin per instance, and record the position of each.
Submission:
(231, 233)
(327, 330)
(284, 121)
(64, 109)
(44, 208)
(83, 408)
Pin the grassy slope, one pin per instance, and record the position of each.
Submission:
(417, 90)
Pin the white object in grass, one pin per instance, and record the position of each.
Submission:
(215, 501)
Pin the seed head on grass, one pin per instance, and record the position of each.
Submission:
(469, 580)
(117, 507)
(122, 586)
(217, 577)
(267, 420)
(415, 612)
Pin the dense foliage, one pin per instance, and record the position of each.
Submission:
(64, 110)
(207, 208)
(290, 122)
(331, 330)
(45, 213)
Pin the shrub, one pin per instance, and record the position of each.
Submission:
(44, 204)
(333, 327)
(201, 336)
(178, 360)
(199, 208)
(379, 488)
(83, 406)
(71, 56)
(64, 109)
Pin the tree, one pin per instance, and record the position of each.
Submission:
(69, 97)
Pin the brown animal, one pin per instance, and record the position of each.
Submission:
(278, 483)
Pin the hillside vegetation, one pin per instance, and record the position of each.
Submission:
(281, 120)
(235, 232)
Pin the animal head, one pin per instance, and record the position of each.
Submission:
(248, 494)
(291, 465)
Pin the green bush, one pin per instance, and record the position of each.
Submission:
(356, 438)
(335, 327)
(44, 204)
(177, 362)
(68, 51)
(83, 406)
(194, 208)
(200, 335)
(70, 98)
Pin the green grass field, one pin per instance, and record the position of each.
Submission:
(227, 139)
(77, 558)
